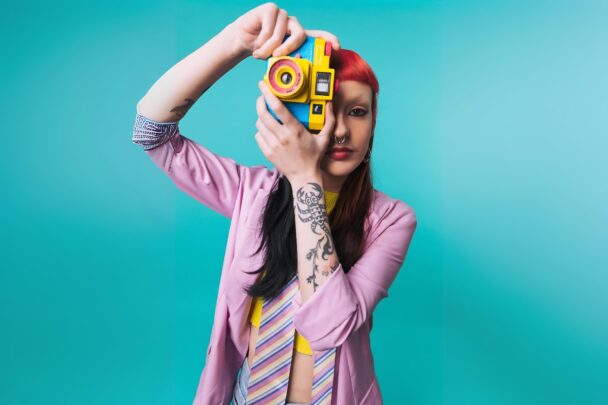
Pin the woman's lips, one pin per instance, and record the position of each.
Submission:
(340, 155)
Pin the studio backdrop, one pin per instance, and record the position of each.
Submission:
(491, 125)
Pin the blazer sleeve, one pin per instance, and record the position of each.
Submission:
(345, 301)
(211, 179)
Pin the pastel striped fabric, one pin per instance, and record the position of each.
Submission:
(269, 376)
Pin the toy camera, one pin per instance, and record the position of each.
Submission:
(303, 81)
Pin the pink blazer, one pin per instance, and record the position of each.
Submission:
(339, 314)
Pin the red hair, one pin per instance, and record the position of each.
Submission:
(350, 66)
(357, 193)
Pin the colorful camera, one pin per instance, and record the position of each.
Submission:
(303, 81)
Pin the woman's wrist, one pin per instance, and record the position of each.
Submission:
(303, 179)
(237, 47)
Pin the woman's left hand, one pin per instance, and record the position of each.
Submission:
(293, 150)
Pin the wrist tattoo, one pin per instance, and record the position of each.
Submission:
(310, 207)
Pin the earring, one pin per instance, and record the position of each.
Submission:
(369, 155)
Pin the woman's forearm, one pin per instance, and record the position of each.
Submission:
(317, 257)
(172, 95)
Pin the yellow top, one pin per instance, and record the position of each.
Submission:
(255, 315)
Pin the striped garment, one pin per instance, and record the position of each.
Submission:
(269, 376)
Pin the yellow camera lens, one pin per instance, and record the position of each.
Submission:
(285, 78)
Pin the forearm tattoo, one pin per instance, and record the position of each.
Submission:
(310, 207)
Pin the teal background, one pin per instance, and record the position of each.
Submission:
(491, 125)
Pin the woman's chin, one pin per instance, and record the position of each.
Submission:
(336, 168)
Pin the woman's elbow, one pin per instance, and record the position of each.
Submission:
(323, 334)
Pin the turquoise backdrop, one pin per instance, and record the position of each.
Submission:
(492, 126)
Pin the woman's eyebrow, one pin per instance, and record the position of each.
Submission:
(360, 99)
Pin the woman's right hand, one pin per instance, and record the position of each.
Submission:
(260, 32)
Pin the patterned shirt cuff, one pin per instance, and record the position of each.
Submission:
(150, 134)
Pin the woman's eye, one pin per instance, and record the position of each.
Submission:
(361, 112)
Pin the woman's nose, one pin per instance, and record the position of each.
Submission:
(340, 129)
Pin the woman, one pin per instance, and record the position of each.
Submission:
(313, 226)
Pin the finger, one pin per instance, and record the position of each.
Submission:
(274, 137)
(267, 119)
(268, 23)
(277, 36)
(270, 138)
(280, 110)
(328, 36)
(330, 121)
(262, 143)
(296, 38)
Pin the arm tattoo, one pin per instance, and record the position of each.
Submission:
(310, 208)
(181, 110)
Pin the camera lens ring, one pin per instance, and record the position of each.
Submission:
(275, 73)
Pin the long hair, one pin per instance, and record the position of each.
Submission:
(346, 220)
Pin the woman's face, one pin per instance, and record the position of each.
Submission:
(352, 108)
